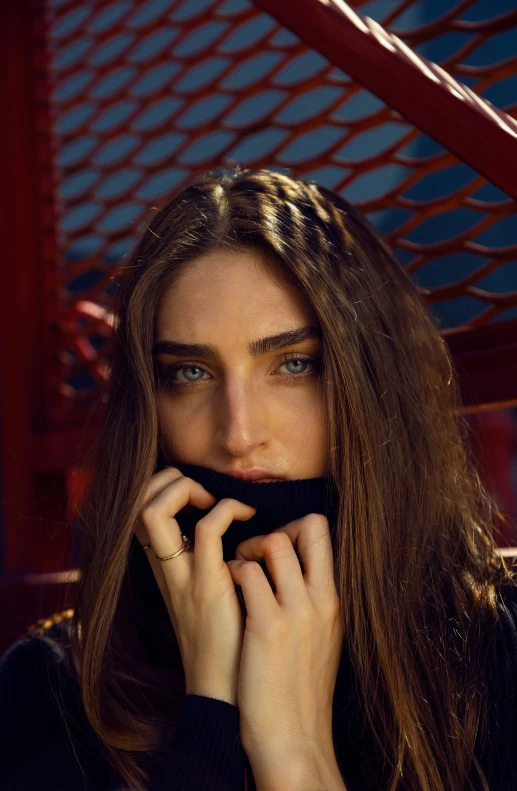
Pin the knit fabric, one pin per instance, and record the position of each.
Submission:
(277, 503)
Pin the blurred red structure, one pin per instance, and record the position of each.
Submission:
(496, 446)
(60, 66)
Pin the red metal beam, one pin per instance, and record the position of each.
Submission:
(423, 93)
(485, 359)
(33, 507)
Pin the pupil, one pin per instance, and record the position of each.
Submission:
(192, 368)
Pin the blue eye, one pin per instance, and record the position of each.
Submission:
(298, 360)
(167, 377)
(190, 368)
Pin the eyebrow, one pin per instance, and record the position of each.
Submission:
(256, 348)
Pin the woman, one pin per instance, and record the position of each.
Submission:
(349, 620)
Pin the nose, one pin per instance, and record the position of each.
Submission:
(242, 420)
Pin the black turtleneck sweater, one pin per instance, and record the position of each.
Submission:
(42, 749)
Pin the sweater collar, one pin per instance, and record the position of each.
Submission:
(277, 503)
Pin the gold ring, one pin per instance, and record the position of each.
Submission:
(147, 546)
(185, 547)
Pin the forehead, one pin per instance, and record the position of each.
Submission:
(226, 289)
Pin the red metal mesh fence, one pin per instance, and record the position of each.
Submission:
(145, 95)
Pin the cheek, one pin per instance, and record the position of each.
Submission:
(316, 427)
(316, 419)
(186, 432)
(303, 415)
(309, 400)
(304, 436)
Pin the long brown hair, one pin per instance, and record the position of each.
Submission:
(415, 563)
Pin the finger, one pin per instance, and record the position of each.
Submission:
(257, 593)
(282, 563)
(210, 529)
(158, 483)
(310, 536)
(159, 520)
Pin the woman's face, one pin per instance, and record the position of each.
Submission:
(228, 406)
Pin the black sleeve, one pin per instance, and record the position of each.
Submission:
(29, 723)
(39, 752)
(499, 743)
(206, 752)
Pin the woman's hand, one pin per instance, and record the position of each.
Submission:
(290, 656)
(197, 587)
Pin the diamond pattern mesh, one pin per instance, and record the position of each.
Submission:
(145, 95)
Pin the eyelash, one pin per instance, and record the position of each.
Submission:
(168, 382)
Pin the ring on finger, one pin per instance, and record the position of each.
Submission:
(184, 548)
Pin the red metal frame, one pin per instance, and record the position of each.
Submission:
(40, 445)
(486, 362)
(473, 129)
(34, 506)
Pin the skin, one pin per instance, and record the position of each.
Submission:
(280, 666)
(242, 413)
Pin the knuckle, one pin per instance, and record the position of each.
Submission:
(218, 510)
(204, 524)
(149, 513)
(251, 569)
(227, 503)
(273, 542)
(317, 521)
(223, 509)
(153, 502)
(173, 474)
(306, 616)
